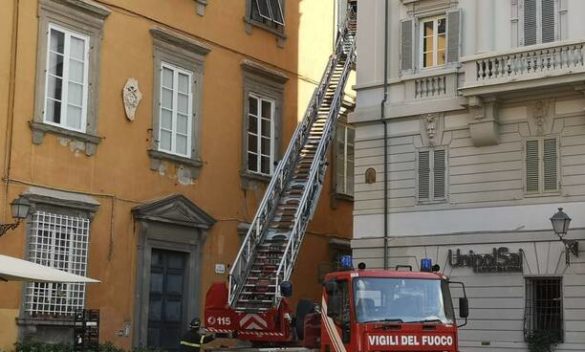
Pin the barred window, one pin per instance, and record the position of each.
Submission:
(544, 308)
(60, 242)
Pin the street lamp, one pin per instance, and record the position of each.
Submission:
(560, 223)
(19, 208)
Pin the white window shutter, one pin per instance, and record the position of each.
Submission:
(532, 166)
(423, 175)
(530, 22)
(453, 35)
(550, 165)
(439, 174)
(407, 45)
(548, 20)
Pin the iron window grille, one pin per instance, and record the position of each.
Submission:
(60, 242)
(543, 313)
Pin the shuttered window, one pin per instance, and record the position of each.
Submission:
(432, 175)
(542, 170)
(344, 157)
(540, 21)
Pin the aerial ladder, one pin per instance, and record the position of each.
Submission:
(268, 253)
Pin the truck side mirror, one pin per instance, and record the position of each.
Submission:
(463, 307)
(330, 287)
(333, 306)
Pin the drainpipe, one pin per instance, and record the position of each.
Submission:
(383, 118)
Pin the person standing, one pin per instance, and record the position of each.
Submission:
(192, 340)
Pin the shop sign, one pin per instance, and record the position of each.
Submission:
(499, 260)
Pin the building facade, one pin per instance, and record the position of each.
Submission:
(484, 108)
(143, 136)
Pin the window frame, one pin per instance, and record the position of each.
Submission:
(421, 39)
(64, 99)
(259, 134)
(559, 16)
(431, 185)
(541, 169)
(83, 19)
(174, 112)
(186, 54)
(269, 84)
(528, 328)
(342, 157)
(265, 23)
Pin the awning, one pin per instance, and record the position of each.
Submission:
(15, 269)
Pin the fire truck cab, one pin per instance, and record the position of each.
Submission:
(389, 310)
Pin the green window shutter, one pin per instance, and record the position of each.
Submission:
(423, 175)
(453, 35)
(529, 22)
(407, 45)
(548, 21)
(532, 166)
(439, 172)
(550, 165)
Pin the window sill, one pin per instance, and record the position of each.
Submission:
(250, 180)
(543, 194)
(280, 36)
(193, 166)
(39, 130)
(64, 321)
(343, 197)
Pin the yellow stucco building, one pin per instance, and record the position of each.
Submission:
(143, 134)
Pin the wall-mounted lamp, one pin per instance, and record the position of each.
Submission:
(560, 223)
(19, 208)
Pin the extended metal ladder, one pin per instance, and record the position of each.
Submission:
(273, 241)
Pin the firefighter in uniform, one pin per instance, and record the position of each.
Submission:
(192, 340)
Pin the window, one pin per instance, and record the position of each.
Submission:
(260, 135)
(433, 40)
(544, 308)
(430, 41)
(66, 93)
(432, 175)
(177, 92)
(262, 115)
(58, 241)
(67, 83)
(542, 165)
(344, 158)
(540, 21)
(176, 110)
(268, 12)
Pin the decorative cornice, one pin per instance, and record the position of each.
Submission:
(179, 40)
(261, 70)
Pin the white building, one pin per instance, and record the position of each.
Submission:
(485, 140)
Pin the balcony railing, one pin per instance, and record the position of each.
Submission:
(433, 86)
(527, 63)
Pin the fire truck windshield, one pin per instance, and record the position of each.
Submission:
(402, 300)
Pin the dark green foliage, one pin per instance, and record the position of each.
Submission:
(45, 347)
(543, 340)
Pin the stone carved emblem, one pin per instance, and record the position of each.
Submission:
(540, 113)
(431, 126)
(132, 97)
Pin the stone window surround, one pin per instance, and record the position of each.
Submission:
(264, 82)
(250, 23)
(85, 17)
(175, 224)
(188, 54)
(60, 202)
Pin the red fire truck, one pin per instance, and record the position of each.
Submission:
(361, 310)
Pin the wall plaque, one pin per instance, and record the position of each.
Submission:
(499, 260)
